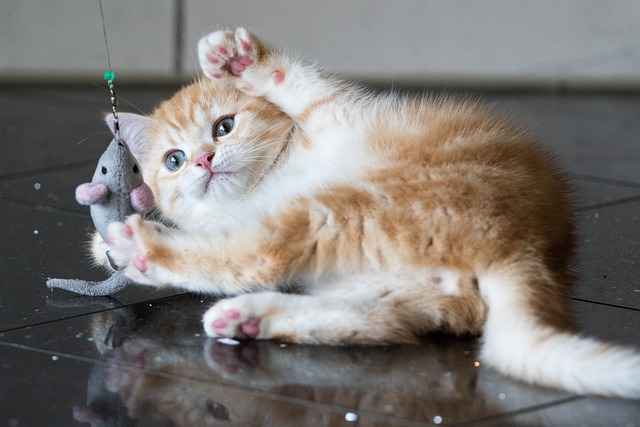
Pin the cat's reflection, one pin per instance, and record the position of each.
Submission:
(159, 371)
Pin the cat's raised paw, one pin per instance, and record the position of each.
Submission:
(122, 246)
(126, 241)
(224, 53)
(233, 318)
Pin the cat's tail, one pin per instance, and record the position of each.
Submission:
(518, 342)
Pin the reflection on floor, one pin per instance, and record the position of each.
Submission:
(142, 358)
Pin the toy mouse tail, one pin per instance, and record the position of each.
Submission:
(110, 286)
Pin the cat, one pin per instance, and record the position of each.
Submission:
(391, 216)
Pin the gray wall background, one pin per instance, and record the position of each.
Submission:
(572, 42)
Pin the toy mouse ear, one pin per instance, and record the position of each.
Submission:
(134, 130)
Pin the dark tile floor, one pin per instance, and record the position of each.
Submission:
(142, 359)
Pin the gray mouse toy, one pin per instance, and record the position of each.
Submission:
(115, 192)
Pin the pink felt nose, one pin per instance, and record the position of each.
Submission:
(90, 193)
(204, 160)
(142, 198)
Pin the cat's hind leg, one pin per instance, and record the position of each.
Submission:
(376, 309)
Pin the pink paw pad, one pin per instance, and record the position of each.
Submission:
(251, 328)
(211, 58)
(232, 314)
(128, 231)
(236, 68)
(223, 50)
(245, 60)
(219, 324)
(238, 64)
(140, 262)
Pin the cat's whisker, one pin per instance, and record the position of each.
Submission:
(131, 104)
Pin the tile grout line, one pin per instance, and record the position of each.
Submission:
(522, 411)
(47, 169)
(624, 307)
(88, 313)
(44, 208)
(608, 204)
(610, 181)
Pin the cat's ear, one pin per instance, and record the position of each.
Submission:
(134, 130)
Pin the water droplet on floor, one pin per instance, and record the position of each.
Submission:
(351, 417)
(502, 396)
(36, 232)
(37, 186)
(437, 419)
(54, 358)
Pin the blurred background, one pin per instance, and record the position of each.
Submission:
(490, 43)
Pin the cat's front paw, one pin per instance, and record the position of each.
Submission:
(239, 317)
(224, 53)
(128, 247)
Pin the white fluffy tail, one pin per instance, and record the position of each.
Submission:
(518, 344)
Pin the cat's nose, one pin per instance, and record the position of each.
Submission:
(204, 160)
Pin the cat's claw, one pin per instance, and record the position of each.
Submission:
(234, 318)
(227, 52)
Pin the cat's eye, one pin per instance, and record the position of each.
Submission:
(223, 126)
(174, 160)
(136, 169)
(103, 170)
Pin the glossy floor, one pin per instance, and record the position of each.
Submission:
(142, 358)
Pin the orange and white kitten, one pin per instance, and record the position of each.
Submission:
(395, 216)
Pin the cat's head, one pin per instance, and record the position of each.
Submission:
(207, 145)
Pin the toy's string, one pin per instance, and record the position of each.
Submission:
(104, 34)
(109, 75)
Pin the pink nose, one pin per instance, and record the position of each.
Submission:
(204, 160)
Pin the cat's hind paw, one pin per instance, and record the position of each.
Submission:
(224, 53)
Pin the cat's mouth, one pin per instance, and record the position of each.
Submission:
(213, 177)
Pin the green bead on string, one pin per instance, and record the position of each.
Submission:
(109, 75)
